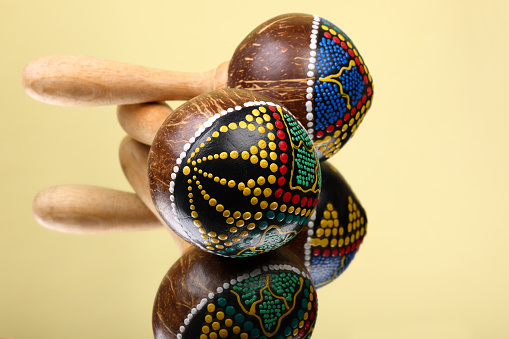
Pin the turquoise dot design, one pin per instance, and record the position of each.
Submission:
(305, 170)
(306, 164)
(272, 239)
(297, 132)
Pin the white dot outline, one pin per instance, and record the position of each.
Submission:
(307, 245)
(311, 74)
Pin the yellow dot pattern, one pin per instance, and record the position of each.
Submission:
(263, 154)
(219, 324)
(247, 191)
(331, 233)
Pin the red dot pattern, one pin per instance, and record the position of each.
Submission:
(350, 248)
(283, 169)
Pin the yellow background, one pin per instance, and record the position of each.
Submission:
(429, 163)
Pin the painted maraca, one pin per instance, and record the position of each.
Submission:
(304, 61)
(332, 237)
(326, 245)
(208, 296)
(234, 172)
(328, 242)
(315, 71)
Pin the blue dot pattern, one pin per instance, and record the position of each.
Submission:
(342, 87)
(324, 269)
(329, 104)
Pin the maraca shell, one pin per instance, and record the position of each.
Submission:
(234, 173)
(314, 69)
(332, 237)
(208, 296)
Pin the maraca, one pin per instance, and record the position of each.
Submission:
(332, 237)
(315, 71)
(304, 61)
(234, 172)
(328, 242)
(208, 296)
(326, 245)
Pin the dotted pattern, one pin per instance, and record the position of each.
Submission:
(278, 301)
(333, 243)
(257, 191)
(342, 89)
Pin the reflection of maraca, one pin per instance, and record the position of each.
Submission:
(207, 296)
(305, 62)
(234, 172)
(332, 237)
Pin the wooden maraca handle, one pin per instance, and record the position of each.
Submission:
(72, 80)
(133, 159)
(82, 209)
(141, 121)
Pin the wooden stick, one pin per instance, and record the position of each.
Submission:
(72, 80)
(82, 209)
(141, 121)
(133, 159)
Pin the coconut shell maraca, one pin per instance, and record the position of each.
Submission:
(303, 61)
(207, 296)
(332, 237)
(313, 68)
(234, 173)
